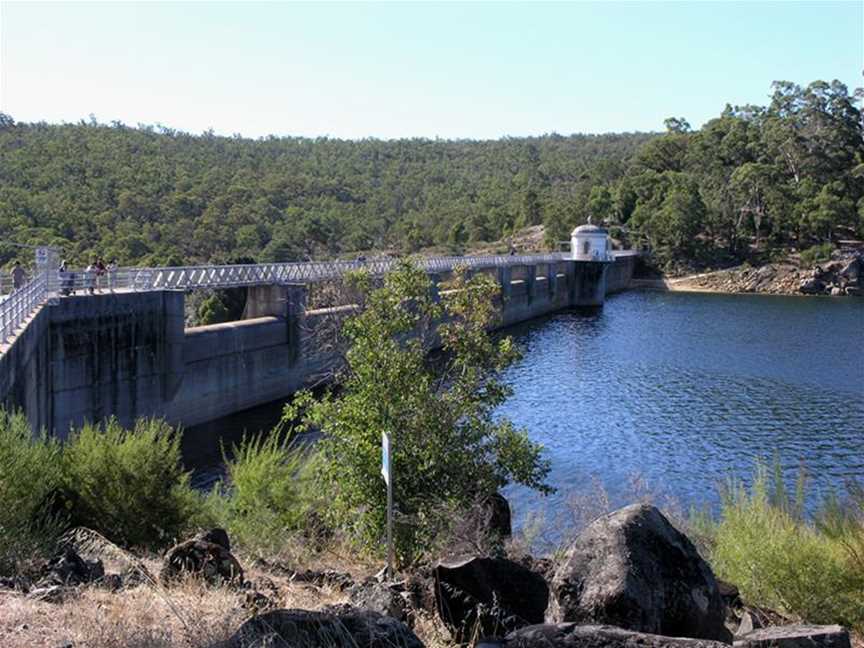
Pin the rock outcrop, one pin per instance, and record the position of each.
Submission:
(634, 570)
(342, 626)
(571, 635)
(69, 568)
(382, 598)
(488, 596)
(202, 558)
(796, 636)
(843, 275)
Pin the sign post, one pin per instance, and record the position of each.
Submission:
(46, 265)
(387, 473)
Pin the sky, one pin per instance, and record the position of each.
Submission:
(389, 70)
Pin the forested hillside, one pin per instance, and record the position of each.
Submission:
(755, 179)
(789, 174)
(152, 195)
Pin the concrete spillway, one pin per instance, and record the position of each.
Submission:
(128, 355)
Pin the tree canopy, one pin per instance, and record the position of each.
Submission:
(789, 174)
(786, 175)
(152, 195)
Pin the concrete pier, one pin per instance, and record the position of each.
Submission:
(128, 355)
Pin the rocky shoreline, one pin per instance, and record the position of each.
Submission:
(843, 275)
(629, 579)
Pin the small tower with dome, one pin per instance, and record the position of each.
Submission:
(590, 243)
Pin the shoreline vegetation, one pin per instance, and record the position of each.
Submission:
(105, 544)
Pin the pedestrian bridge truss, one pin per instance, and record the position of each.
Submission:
(17, 309)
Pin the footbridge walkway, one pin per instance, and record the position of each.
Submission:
(78, 346)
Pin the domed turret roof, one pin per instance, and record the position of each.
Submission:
(589, 228)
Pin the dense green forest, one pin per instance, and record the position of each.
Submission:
(789, 174)
(754, 180)
(155, 196)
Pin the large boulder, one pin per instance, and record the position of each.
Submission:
(812, 286)
(339, 627)
(796, 636)
(571, 635)
(488, 596)
(634, 570)
(853, 270)
(201, 558)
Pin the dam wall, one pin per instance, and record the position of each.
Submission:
(127, 355)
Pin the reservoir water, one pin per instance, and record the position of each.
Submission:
(673, 391)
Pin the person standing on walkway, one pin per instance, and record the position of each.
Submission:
(112, 271)
(100, 273)
(90, 277)
(19, 277)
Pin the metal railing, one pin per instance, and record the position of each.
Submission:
(16, 307)
(190, 277)
(20, 305)
(231, 276)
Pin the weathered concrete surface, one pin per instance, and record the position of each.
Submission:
(128, 354)
(25, 373)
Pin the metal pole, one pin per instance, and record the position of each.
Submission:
(390, 520)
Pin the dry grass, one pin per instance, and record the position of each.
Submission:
(187, 615)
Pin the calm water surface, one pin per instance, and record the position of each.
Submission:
(680, 389)
(675, 389)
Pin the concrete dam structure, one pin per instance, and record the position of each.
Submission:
(128, 354)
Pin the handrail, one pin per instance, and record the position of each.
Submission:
(20, 305)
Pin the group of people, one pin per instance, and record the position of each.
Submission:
(92, 277)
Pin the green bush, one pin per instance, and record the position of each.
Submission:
(29, 472)
(778, 560)
(816, 254)
(448, 448)
(131, 482)
(269, 492)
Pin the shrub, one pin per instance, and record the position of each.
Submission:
(813, 255)
(131, 482)
(29, 472)
(269, 492)
(448, 448)
(779, 560)
(843, 522)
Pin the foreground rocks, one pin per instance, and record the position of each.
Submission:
(68, 568)
(381, 598)
(796, 636)
(571, 635)
(204, 558)
(341, 626)
(488, 596)
(634, 570)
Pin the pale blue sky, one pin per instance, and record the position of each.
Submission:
(481, 70)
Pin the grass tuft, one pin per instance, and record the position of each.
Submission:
(778, 559)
